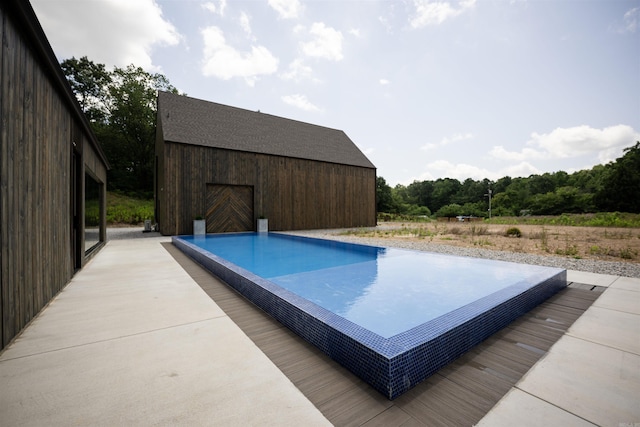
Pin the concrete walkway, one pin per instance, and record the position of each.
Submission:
(133, 340)
(591, 376)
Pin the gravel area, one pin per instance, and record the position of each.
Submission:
(123, 233)
(626, 269)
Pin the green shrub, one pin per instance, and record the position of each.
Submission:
(513, 232)
(628, 253)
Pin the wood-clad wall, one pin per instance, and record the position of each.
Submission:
(36, 256)
(294, 194)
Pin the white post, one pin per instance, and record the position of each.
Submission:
(199, 227)
(489, 194)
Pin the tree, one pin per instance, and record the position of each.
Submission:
(502, 184)
(621, 185)
(133, 118)
(517, 193)
(541, 184)
(384, 197)
(502, 205)
(444, 191)
(121, 107)
(474, 209)
(90, 83)
(588, 180)
(419, 193)
(450, 210)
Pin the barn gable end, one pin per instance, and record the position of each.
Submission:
(225, 163)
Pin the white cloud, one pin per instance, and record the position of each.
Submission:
(219, 9)
(326, 42)
(631, 20)
(287, 9)
(298, 71)
(245, 23)
(300, 101)
(367, 151)
(520, 169)
(87, 29)
(448, 140)
(499, 152)
(355, 32)
(225, 62)
(385, 23)
(384, 82)
(462, 171)
(436, 12)
(456, 137)
(580, 140)
(211, 7)
(562, 143)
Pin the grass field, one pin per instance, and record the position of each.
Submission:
(124, 210)
(602, 219)
(606, 236)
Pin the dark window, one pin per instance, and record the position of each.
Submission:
(93, 194)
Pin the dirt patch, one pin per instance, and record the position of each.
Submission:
(611, 244)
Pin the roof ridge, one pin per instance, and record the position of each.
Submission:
(189, 120)
(252, 111)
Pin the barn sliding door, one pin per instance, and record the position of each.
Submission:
(229, 208)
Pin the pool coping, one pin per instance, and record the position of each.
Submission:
(392, 365)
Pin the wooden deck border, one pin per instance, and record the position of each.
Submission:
(459, 394)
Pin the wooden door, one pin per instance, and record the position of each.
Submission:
(229, 208)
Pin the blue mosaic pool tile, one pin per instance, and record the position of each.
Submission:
(390, 365)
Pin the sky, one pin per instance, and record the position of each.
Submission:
(426, 89)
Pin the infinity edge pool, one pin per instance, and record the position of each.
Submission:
(390, 365)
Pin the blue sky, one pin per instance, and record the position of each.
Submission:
(426, 89)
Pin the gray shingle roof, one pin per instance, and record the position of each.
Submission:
(193, 121)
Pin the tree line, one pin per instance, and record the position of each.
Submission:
(121, 107)
(603, 188)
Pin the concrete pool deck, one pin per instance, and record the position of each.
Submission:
(133, 340)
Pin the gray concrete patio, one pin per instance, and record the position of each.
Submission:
(133, 340)
(591, 376)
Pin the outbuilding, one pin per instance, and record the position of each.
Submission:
(232, 166)
(53, 174)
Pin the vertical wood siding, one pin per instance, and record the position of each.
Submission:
(35, 201)
(294, 194)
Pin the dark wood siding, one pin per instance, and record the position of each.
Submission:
(294, 194)
(35, 167)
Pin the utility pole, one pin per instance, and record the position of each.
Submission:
(489, 195)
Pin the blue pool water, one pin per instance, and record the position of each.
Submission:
(385, 290)
(393, 317)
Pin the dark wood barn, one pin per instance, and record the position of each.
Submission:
(51, 169)
(233, 166)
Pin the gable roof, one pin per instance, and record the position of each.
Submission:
(193, 121)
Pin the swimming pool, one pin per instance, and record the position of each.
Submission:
(391, 316)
